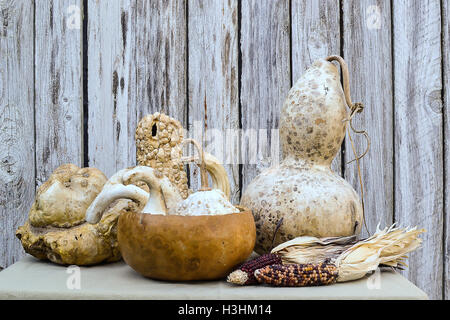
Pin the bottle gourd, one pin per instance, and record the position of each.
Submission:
(303, 190)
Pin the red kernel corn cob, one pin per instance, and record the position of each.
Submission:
(297, 275)
(244, 275)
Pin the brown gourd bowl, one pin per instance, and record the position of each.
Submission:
(182, 248)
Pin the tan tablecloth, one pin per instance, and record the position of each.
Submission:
(33, 279)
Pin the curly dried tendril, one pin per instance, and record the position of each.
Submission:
(355, 108)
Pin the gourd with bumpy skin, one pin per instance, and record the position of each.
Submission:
(56, 229)
(158, 140)
(63, 199)
(303, 190)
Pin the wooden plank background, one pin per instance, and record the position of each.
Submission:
(418, 132)
(446, 99)
(17, 125)
(77, 75)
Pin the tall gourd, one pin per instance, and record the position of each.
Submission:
(303, 190)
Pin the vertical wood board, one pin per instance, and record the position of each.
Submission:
(446, 95)
(58, 87)
(213, 72)
(111, 85)
(418, 135)
(161, 58)
(265, 82)
(17, 158)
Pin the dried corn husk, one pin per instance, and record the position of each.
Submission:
(354, 259)
(303, 250)
(386, 247)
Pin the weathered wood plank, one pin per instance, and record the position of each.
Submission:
(17, 158)
(367, 51)
(265, 81)
(111, 84)
(316, 34)
(213, 73)
(58, 87)
(418, 135)
(161, 58)
(446, 83)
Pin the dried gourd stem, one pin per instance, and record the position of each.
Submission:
(203, 175)
(203, 172)
(354, 109)
(358, 109)
(360, 180)
(345, 77)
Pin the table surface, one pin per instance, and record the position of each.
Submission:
(34, 279)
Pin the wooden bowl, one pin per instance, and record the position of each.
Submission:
(181, 248)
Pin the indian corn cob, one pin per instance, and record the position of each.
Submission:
(245, 274)
(309, 261)
(298, 275)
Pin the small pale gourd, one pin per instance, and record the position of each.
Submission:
(303, 190)
(207, 201)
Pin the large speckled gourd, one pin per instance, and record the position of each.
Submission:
(303, 190)
(56, 228)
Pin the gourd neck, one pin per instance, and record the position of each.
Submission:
(296, 162)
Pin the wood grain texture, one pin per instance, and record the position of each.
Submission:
(418, 135)
(58, 87)
(316, 34)
(265, 82)
(446, 94)
(17, 158)
(367, 51)
(161, 58)
(213, 73)
(111, 85)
